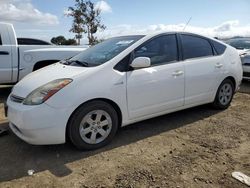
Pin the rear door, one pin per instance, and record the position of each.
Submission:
(5, 57)
(202, 69)
(160, 87)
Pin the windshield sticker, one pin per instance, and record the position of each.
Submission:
(124, 42)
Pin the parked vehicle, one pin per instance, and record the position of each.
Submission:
(242, 44)
(18, 61)
(121, 81)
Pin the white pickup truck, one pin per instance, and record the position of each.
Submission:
(16, 61)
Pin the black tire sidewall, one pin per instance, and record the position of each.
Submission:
(217, 104)
(74, 124)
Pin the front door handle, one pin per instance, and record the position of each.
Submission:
(218, 65)
(178, 73)
(4, 53)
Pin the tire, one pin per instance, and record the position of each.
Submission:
(93, 125)
(224, 95)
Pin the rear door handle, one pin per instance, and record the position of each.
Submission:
(218, 65)
(4, 53)
(178, 73)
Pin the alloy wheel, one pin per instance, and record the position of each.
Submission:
(225, 94)
(95, 126)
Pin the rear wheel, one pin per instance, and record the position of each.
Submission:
(224, 95)
(93, 125)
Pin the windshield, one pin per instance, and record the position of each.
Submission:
(103, 52)
(240, 43)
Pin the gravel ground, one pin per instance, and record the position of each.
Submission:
(198, 147)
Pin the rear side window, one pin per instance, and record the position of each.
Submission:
(160, 50)
(0, 40)
(219, 48)
(194, 47)
(26, 41)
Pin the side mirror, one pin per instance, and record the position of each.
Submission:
(141, 62)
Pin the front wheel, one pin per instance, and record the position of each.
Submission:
(224, 95)
(93, 125)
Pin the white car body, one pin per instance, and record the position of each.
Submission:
(140, 94)
(16, 61)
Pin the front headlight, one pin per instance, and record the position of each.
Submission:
(43, 93)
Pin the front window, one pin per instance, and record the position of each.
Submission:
(103, 52)
(161, 50)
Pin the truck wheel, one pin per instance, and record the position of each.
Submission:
(224, 95)
(93, 125)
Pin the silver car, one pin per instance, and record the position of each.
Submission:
(242, 44)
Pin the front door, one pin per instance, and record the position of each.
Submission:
(160, 87)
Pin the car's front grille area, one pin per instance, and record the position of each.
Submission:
(16, 99)
(246, 74)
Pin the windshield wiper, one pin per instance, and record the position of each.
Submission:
(82, 63)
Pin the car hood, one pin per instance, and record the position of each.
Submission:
(45, 75)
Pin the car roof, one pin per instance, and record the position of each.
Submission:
(148, 35)
(177, 32)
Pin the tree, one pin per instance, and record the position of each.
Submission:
(58, 40)
(61, 40)
(70, 42)
(86, 19)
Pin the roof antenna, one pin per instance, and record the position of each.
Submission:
(187, 23)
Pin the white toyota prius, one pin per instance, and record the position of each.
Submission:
(121, 81)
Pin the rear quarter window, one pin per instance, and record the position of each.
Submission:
(219, 48)
(27, 41)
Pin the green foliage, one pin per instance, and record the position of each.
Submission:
(86, 19)
(61, 40)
